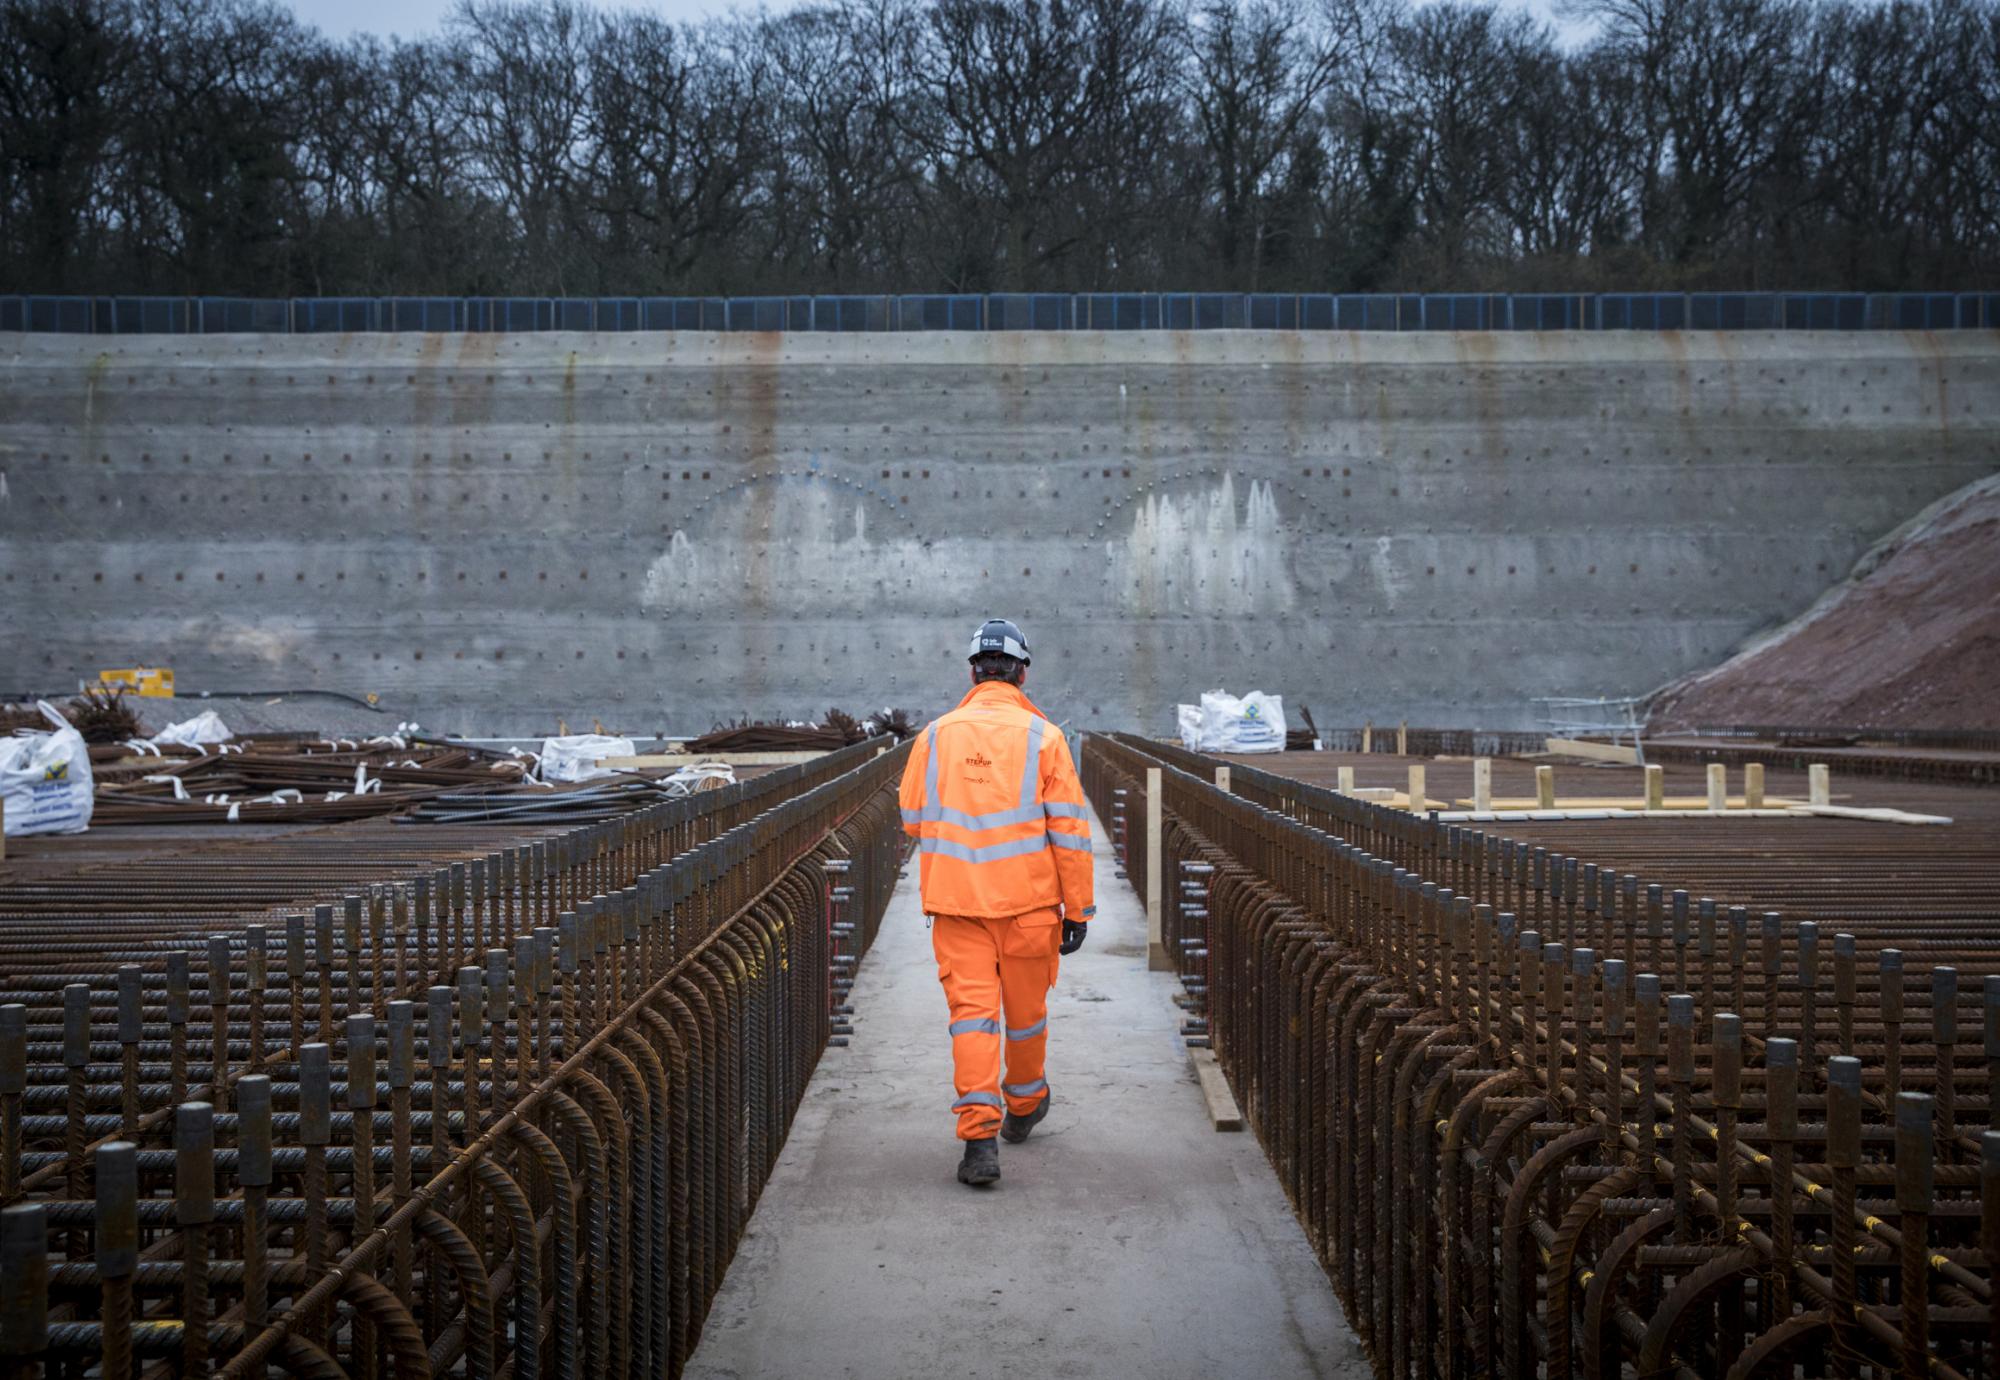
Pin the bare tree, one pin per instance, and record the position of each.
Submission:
(62, 103)
(842, 201)
(1254, 76)
(1721, 84)
(1457, 81)
(1898, 141)
(678, 130)
(1026, 102)
(437, 234)
(1571, 147)
(547, 146)
(520, 80)
(210, 143)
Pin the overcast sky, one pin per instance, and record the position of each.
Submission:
(414, 18)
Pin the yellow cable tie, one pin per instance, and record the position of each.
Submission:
(1871, 1222)
(1938, 1262)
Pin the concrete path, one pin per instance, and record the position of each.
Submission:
(1126, 1238)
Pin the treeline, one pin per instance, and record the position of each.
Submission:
(220, 146)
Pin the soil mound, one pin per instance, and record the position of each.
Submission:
(1910, 639)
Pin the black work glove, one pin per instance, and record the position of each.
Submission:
(1072, 936)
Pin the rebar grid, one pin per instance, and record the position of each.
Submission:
(1539, 1117)
(504, 1119)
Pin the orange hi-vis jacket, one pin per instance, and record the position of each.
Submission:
(991, 795)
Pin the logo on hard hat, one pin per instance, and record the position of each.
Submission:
(998, 635)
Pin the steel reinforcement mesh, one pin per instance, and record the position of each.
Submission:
(503, 1118)
(1540, 1117)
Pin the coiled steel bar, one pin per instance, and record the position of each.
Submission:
(1539, 1117)
(505, 1119)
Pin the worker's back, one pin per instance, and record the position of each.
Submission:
(993, 797)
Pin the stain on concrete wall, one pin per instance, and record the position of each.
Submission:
(1200, 554)
(799, 540)
(663, 530)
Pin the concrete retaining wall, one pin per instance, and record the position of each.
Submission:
(662, 530)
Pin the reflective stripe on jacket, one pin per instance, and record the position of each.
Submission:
(991, 795)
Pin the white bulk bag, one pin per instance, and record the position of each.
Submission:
(575, 758)
(204, 728)
(1187, 721)
(1254, 723)
(45, 780)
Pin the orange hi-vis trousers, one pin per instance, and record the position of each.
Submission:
(997, 973)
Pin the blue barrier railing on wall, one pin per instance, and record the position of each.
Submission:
(1086, 311)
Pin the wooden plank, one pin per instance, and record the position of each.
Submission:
(1669, 805)
(1223, 1113)
(689, 759)
(1614, 812)
(1878, 815)
(1595, 752)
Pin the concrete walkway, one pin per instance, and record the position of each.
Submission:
(1126, 1238)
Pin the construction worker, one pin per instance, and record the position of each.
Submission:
(991, 796)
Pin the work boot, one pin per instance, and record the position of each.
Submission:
(1016, 1128)
(981, 1165)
